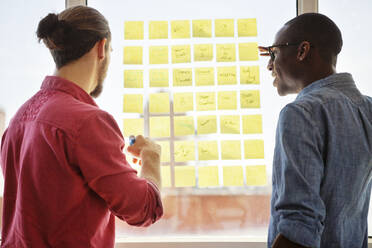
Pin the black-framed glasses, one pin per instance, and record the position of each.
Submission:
(268, 50)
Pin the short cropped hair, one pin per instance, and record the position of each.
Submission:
(72, 33)
(320, 31)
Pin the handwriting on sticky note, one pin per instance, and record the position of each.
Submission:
(230, 124)
(253, 149)
(180, 29)
(227, 100)
(203, 52)
(252, 124)
(158, 55)
(158, 30)
(248, 51)
(184, 176)
(181, 54)
(182, 77)
(159, 78)
(247, 27)
(233, 176)
(226, 52)
(202, 28)
(160, 126)
(204, 76)
(205, 101)
(207, 124)
(250, 99)
(249, 75)
(184, 125)
(133, 55)
(230, 149)
(133, 30)
(224, 27)
(133, 103)
(184, 151)
(159, 103)
(183, 102)
(226, 75)
(133, 79)
(208, 150)
(208, 176)
(133, 127)
(256, 175)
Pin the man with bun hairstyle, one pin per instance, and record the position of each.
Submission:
(66, 176)
(322, 164)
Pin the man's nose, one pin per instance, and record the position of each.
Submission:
(270, 65)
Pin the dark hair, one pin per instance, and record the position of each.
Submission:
(320, 31)
(72, 33)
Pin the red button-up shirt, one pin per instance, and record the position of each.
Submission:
(66, 175)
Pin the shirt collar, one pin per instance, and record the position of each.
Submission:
(332, 79)
(64, 85)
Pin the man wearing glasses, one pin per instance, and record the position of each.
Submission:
(323, 154)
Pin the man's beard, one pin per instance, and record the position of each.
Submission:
(101, 75)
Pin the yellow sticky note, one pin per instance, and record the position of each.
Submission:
(249, 75)
(226, 75)
(158, 30)
(226, 52)
(184, 151)
(133, 103)
(250, 99)
(184, 125)
(204, 76)
(133, 55)
(133, 79)
(183, 102)
(158, 55)
(181, 54)
(227, 100)
(165, 151)
(184, 176)
(253, 149)
(247, 27)
(159, 103)
(159, 78)
(230, 149)
(160, 126)
(202, 28)
(205, 101)
(207, 124)
(180, 29)
(203, 52)
(248, 51)
(233, 176)
(133, 30)
(224, 27)
(208, 150)
(133, 127)
(208, 176)
(252, 124)
(230, 124)
(165, 176)
(256, 175)
(182, 77)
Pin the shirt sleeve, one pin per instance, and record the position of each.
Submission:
(297, 175)
(99, 155)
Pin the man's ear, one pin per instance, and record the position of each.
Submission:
(101, 48)
(303, 50)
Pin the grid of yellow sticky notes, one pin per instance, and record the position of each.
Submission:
(160, 126)
(158, 30)
(226, 52)
(226, 75)
(180, 29)
(253, 149)
(207, 124)
(208, 150)
(184, 151)
(165, 151)
(183, 102)
(205, 101)
(184, 125)
(202, 28)
(182, 77)
(158, 55)
(204, 76)
(224, 27)
(133, 55)
(203, 52)
(249, 75)
(181, 54)
(230, 124)
(159, 103)
(247, 27)
(252, 124)
(133, 126)
(227, 100)
(184, 176)
(133, 103)
(133, 30)
(165, 176)
(250, 99)
(208, 176)
(133, 79)
(256, 175)
(233, 176)
(230, 149)
(248, 51)
(159, 78)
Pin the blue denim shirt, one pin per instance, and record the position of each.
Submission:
(322, 166)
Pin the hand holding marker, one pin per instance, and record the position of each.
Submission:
(132, 140)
